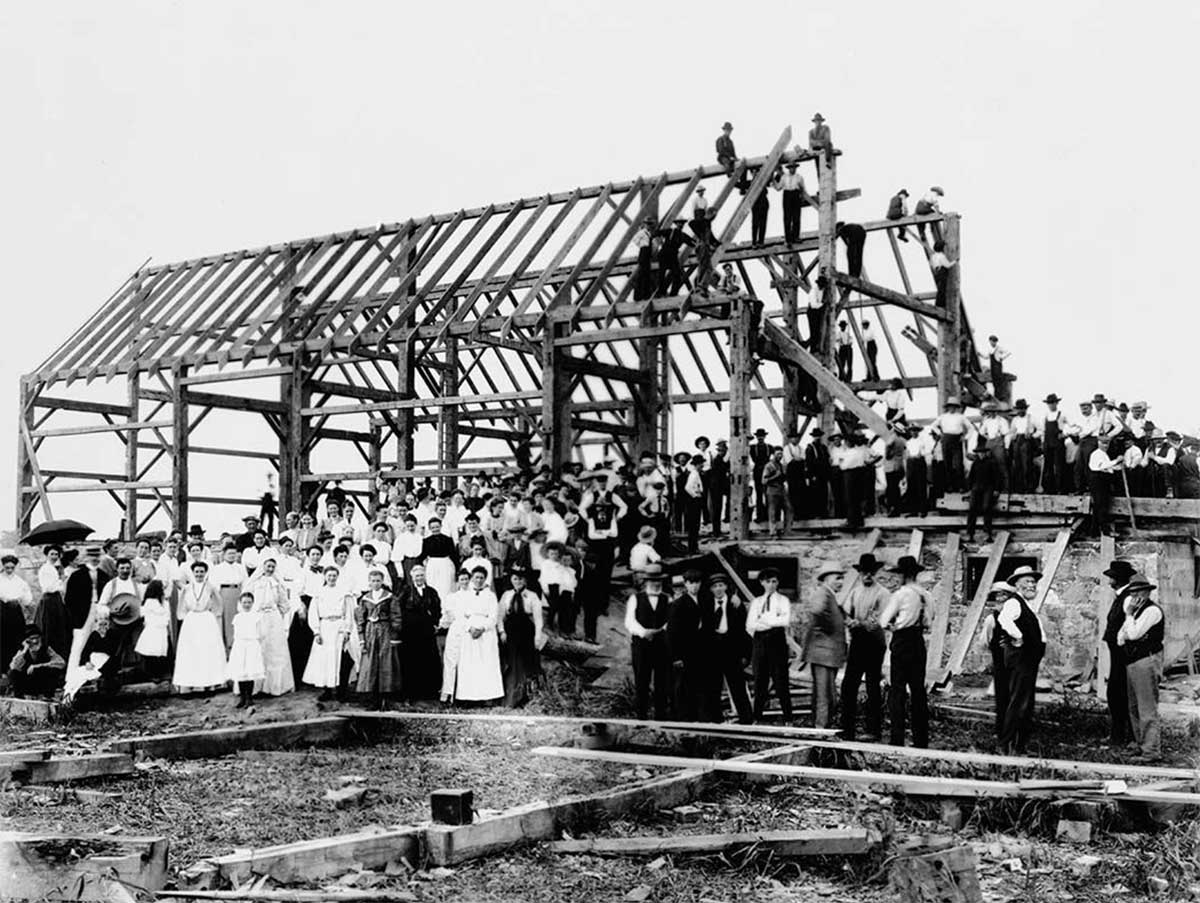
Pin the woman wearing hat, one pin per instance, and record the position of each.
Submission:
(825, 645)
(904, 615)
(1141, 638)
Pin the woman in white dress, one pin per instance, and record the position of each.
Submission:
(200, 659)
(331, 618)
(479, 677)
(273, 607)
(455, 627)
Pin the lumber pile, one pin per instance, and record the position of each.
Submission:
(62, 866)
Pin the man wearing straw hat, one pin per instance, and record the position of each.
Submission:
(646, 614)
(1023, 644)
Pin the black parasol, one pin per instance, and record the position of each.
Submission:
(54, 532)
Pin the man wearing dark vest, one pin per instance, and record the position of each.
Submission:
(1054, 455)
(816, 465)
(1141, 636)
(758, 215)
(646, 615)
(684, 640)
(726, 650)
(718, 485)
(904, 615)
(1119, 574)
(1187, 471)
(992, 634)
(1023, 644)
(670, 273)
(760, 454)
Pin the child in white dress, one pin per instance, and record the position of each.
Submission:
(154, 641)
(245, 655)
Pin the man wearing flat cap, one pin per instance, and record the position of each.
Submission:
(863, 606)
(904, 616)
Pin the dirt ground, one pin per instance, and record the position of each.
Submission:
(213, 806)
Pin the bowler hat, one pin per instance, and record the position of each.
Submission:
(727, 125)
(907, 565)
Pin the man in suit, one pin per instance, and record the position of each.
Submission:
(718, 485)
(760, 454)
(726, 650)
(683, 639)
(83, 588)
(825, 648)
(726, 155)
(816, 465)
(670, 274)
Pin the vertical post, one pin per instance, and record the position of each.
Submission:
(949, 374)
(376, 482)
(789, 295)
(556, 401)
(448, 414)
(740, 372)
(25, 456)
(826, 265)
(665, 439)
(294, 453)
(131, 456)
(647, 398)
(405, 377)
(180, 439)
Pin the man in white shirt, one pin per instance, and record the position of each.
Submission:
(1051, 430)
(1137, 419)
(791, 183)
(646, 614)
(844, 341)
(952, 428)
(1023, 643)
(918, 457)
(996, 356)
(872, 349)
(994, 429)
(1020, 449)
(815, 312)
(723, 622)
(1104, 462)
(1141, 639)
(767, 623)
(929, 203)
(904, 615)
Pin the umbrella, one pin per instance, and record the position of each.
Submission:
(57, 531)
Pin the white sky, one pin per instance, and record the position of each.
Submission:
(1060, 131)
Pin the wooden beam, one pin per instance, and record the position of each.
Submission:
(821, 842)
(889, 296)
(134, 392)
(87, 407)
(60, 769)
(741, 367)
(181, 443)
(104, 428)
(592, 336)
(221, 402)
(791, 350)
(949, 364)
(1050, 567)
(943, 595)
(349, 391)
(403, 404)
(235, 375)
(36, 868)
(914, 784)
(217, 742)
(970, 623)
(586, 424)
(128, 486)
(607, 371)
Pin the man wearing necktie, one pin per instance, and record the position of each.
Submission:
(646, 614)
(726, 648)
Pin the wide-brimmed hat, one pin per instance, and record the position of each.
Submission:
(817, 117)
(868, 563)
(653, 571)
(907, 565)
(1024, 571)
(830, 567)
(727, 125)
(1051, 399)
(1120, 570)
(1099, 398)
(646, 533)
(1020, 405)
(1001, 589)
(1136, 584)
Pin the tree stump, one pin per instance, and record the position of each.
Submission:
(944, 876)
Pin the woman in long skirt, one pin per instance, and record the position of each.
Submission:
(452, 628)
(274, 610)
(440, 556)
(51, 614)
(378, 619)
(331, 619)
(521, 636)
(479, 678)
(420, 663)
(200, 659)
(407, 549)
